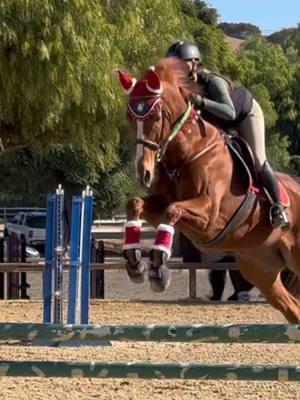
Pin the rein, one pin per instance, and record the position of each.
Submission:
(175, 131)
(162, 148)
(174, 174)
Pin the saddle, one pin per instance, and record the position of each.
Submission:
(242, 154)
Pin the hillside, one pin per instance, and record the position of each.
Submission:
(282, 37)
(237, 32)
(234, 43)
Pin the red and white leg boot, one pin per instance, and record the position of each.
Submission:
(135, 266)
(159, 273)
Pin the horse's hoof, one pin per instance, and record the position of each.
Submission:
(137, 273)
(136, 268)
(159, 278)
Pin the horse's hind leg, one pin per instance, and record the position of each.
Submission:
(266, 278)
(290, 250)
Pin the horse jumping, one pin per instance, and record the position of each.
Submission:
(197, 185)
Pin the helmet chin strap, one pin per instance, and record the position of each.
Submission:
(194, 76)
(195, 64)
(194, 67)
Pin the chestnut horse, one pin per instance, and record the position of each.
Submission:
(196, 185)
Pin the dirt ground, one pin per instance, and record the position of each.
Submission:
(146, 312)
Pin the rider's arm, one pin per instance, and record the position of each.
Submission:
(219, 102)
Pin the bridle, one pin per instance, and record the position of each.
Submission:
(160, 147)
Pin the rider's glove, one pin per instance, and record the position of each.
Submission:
(197, 100)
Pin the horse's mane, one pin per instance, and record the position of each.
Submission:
(177, 73)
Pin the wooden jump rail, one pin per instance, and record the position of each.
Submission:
(115, 264)
(163, 333)
(118, 263)
(136, 370)
(200, 333)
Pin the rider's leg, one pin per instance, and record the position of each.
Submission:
(279, 216)
(252, 129)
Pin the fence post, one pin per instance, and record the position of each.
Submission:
(190, 254)
(58, 256)
(86, 255)
(74, 260)
(24, 285)
(49, 257)
(2, 273)
(80, 256)
(13, 255)
(97, 276)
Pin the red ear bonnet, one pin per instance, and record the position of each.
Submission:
(144, 95)
(127, 82)
(153, 82)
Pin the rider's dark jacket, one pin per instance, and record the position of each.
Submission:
(224, 104)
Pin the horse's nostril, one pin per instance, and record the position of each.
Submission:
(147, 177)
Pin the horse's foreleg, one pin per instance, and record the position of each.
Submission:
(193, 214)
(151, 209)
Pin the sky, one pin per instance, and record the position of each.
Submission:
(268, 15)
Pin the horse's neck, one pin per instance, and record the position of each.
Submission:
(189, 140)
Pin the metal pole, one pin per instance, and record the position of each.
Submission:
(59, 250)
(86, 256)
(2, 273)
(23, 274)
(74, 258)
(49, 258)
(79, 276)
(141, 370)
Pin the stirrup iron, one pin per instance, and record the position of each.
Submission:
(278, 217)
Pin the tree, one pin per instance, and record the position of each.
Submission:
(199, 10)
(60, 101)
(266, 72)
(240, 30)
(203, 30)
(53, 74)
(278, 151)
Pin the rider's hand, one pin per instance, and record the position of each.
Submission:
(197, 100)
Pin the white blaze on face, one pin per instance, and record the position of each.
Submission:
(139, 146)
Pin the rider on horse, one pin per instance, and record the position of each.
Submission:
(229, 106)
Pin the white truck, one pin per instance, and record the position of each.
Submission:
(30, 226)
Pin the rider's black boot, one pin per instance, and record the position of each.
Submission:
(278, 215)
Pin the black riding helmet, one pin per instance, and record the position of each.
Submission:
(184, 51)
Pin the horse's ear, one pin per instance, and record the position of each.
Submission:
(153, 82)
(127, 81)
